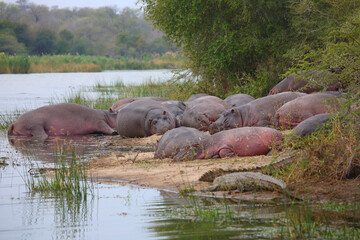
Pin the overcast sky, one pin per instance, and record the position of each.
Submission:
(82, 3)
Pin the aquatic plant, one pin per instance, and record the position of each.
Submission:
(69, 177)
(7, 118)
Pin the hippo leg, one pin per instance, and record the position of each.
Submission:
(103, 127)
(39, 132)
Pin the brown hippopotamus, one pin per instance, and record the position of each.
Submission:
(313, 124)
(259, 112)
(144, 118)
(295, 82)
(246, 141)
(238, 99)
(63, 119)
(123, 102)
(201, 112)
(297, 110)
(178, 141)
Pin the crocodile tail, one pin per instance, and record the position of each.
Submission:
(209, 176)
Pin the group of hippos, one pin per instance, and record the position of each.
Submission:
(238, 125)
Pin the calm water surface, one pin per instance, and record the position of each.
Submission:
(115, 210)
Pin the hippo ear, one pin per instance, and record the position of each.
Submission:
(110, 110)
(150, 120)
(164, 113)
(232, 110)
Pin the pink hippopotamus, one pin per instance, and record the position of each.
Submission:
(63, 119)
(246, 141)
(299, 109)
(296, 82)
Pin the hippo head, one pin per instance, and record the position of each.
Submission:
(227, 120)
(160, 123)
(189, 152)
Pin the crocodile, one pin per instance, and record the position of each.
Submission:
(248, 181)
(269, 168)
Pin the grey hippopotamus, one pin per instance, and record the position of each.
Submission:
(177, 108)
(201, 112)
(238, 99)
(63, 119)
(259, 112)
(313, 124)
(246, 141)
(297, 110)
(178, 141)
(144, 118)
(196, 96)
(295, 82)
(123, 102)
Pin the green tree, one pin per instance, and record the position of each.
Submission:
(223, 40)
(44, 42)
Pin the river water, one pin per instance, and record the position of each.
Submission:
(114, 210)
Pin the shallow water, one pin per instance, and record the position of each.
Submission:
(114, 210)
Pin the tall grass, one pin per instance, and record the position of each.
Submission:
(14, 64)
(109, 94)
(70, 63)
(69, 177)
(7, 118)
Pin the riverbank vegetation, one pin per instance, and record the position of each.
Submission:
(36, 38)
(70, 63)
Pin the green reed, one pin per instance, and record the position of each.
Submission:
(68, 178)
(14, 64)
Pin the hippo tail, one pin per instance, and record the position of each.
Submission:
(11, 129)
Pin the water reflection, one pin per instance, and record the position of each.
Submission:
(47, 150)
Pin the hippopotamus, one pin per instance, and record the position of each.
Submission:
(295, 82)
(123, 102)
(297, 110)
(313, 124)
(177, 108)
(178, 141)
(238, 99)
(196, 96)
(246, 141)
(259, 112)
(143, 118)
(63, 119)
(201, 112)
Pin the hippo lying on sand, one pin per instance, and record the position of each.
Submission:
(144, 118)
(201, 112)
(177, 108)
(313, 124)
(175, 142)
(238, 99)
(246, 141)
(259, 112)
(296, 83)
(63, 119)
(297, 110)
(123, 102)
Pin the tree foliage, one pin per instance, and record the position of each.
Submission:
(246, 45)
(37, 29)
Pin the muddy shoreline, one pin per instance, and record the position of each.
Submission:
(139, 167)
